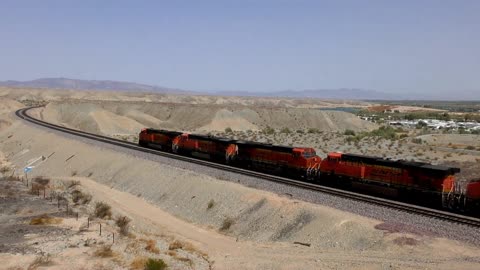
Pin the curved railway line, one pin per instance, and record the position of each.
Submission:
(451, 217)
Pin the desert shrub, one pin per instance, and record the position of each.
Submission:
(45, 220)
(313, 130)
(155, 264)
(104, 251)
(138, 263)
(35, 189)
(210, 204)
(417, 140)
(299, 131)
(73, 183)
(349, 132)
(4, 169)
(226, 224)
(228, 130)
(175, 245)
(268, 130)
(41, 181)
(420, 125)
(123, 223)
(386, 132)
(470, 147)
(152, 246)
(404, 135)
(74, 173)
(41, 261)
(103, 210)
(285, 130)
(79, 197)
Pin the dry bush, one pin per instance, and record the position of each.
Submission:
(35, 189)
(42, 181)
(45, 220)
(12, 178)
(4, 169)
(79, 197)
(175, 245)
(210, 204)
(227, 223)
(155, 264)
(103, 210)
(73, 183)
(41, 261)
(74, 173)
(138, 263)
(104, 252)
(123, 223)
(152, 246)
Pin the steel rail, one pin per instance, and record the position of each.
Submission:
(434, 213)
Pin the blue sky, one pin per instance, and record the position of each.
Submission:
(390, 46)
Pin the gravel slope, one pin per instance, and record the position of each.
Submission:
(373, 237)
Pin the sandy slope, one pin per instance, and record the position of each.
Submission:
(128, 117)
(263, 226)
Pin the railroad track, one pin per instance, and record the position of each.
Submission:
(443, 215)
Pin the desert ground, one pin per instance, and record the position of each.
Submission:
(187, 219)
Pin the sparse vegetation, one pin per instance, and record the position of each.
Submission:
(210, 204)
(417, 140)
(155, 264)
(104, 251)
(228, 130)
(103, 210)
(175, 245)
(268, 130)
(285, 130)
(4, 169)
(123, 223)
(78, 197)
(152, 246)
(227, 223)
(41, 261)
(138, 263)
(41, 181)
(45, 220)
(349, 132)
(73, 183)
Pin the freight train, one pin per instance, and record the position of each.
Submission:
(400, 179)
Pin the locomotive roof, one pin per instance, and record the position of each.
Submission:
(400, 163)
(268, 146)
(163, 131)
(210, 138)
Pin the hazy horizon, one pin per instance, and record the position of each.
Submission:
(425, 47)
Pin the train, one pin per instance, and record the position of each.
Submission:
(433, 184)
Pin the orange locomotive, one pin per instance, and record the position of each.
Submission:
(157, 138)
(295, 162)
(426, 182)
(400, 178)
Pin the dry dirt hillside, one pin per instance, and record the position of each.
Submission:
(29, 94)
(112, 118)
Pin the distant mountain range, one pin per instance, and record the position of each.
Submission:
(65, 83)
(344, 93)
(357, 94)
